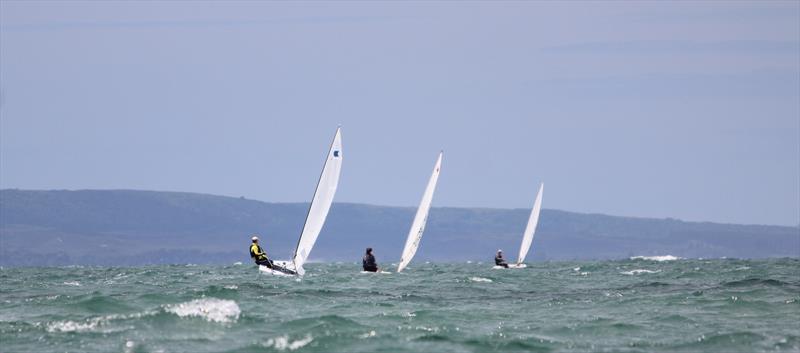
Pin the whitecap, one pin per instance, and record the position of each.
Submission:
(368, 334)
(638, 271)
(480, 279)
(72, 326)
(94, 324)
(129, 347)
(428, 329)
(657, 258)
(237, 263)
(73, 283)
(210, 309)
(283, 343)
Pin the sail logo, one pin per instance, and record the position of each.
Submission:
(336, 153)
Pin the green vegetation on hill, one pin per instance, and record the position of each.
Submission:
(125, 227)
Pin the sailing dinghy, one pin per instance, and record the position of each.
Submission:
(418, 226)
(530, 229)
(317, 211)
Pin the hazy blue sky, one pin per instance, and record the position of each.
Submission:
(656, 109)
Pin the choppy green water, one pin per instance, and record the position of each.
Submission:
(619, 306)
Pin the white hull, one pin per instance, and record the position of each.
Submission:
(285, 264)
(268, 271)
(510, 266)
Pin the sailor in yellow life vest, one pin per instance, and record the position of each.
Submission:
(258, 254)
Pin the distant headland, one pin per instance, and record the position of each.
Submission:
(127, 227)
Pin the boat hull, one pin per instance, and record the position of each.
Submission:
(285, 264)
(510, 266)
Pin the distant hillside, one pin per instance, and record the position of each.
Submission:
(145, 227)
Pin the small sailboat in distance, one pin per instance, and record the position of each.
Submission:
(530, 229)
(421, 218)
(317, 210)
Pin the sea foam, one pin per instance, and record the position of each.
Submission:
(95, 324)
(636, 272)
(210, 309)
(480, 279)
(283, 343)
(72, 326)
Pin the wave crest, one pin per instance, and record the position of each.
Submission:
(638, 271)
(480, 279)
(283, 343)
(755, 282)
(210, 309)
(72, 326)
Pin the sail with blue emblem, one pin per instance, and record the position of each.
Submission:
(320, 204)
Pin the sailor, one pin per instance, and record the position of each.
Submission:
(369, 261)
(499, 260)
(258, 254)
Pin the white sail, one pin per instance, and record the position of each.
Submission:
(418, 226)
(320, 204)
(527, 238)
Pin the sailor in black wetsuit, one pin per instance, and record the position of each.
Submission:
(499, 260)
(369, 261)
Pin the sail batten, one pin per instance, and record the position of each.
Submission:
(533, 220)
(421, 218)
(320, 203)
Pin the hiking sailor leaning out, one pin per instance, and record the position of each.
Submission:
(258, 255)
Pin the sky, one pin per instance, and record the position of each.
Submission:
(689, 110)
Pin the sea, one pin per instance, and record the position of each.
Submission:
(641, 304)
